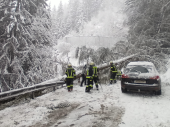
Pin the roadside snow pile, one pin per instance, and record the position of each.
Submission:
(166, 77)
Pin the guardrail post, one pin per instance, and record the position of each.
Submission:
(54, 88)
(33, 95)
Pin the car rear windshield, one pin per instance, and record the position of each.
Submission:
(139, 69)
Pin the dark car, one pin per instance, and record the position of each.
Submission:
(141, 76)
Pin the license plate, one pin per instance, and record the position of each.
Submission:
(139, 81)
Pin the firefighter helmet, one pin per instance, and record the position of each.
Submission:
(69, 65)
(111, 62)
(91, 63)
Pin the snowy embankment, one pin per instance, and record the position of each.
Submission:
(107, 108)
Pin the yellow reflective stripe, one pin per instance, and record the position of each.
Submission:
(91, 85)
(114, 71)
(68, 86)
(94, 70)
(111, 79)
(71, 85)
(87, 72)
(113, 67)
(89, 77)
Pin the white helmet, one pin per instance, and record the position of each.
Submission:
(91, 63)
(69, 65)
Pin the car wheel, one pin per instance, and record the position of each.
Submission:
(158, 92)
(123, 90)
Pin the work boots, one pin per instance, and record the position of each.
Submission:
(68, 89)
(87, 89)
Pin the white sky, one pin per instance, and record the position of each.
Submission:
(57, 2)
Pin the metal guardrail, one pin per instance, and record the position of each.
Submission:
(44, 85)
(14, 93)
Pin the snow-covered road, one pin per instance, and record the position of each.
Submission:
(105, 108)
(146, 110)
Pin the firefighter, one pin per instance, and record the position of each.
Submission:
(95, 76)
(91, 76)
(113, 72)
(119, 74)
(71, 74)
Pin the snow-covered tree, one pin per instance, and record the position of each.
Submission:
(149, 33)
(24, 35)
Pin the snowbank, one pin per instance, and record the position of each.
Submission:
(166, 77)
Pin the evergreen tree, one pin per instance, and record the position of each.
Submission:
(59, 20)
(24, 34)
(149, 31)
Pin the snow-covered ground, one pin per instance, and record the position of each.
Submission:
(108, 107)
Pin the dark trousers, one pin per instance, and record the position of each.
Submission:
(89, 85)
(69, 83)
(96, 81)
(112, 77)
(83, 79)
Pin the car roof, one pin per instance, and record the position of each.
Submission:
(141, 63)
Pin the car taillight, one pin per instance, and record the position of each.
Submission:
(125, 76)
(155, 77)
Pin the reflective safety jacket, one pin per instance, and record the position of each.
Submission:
(113, 69)
(70, 72)
(92, 72)
(119, 73)
(95, 71)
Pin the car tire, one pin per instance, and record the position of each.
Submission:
(158, 92)
(123, 90)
